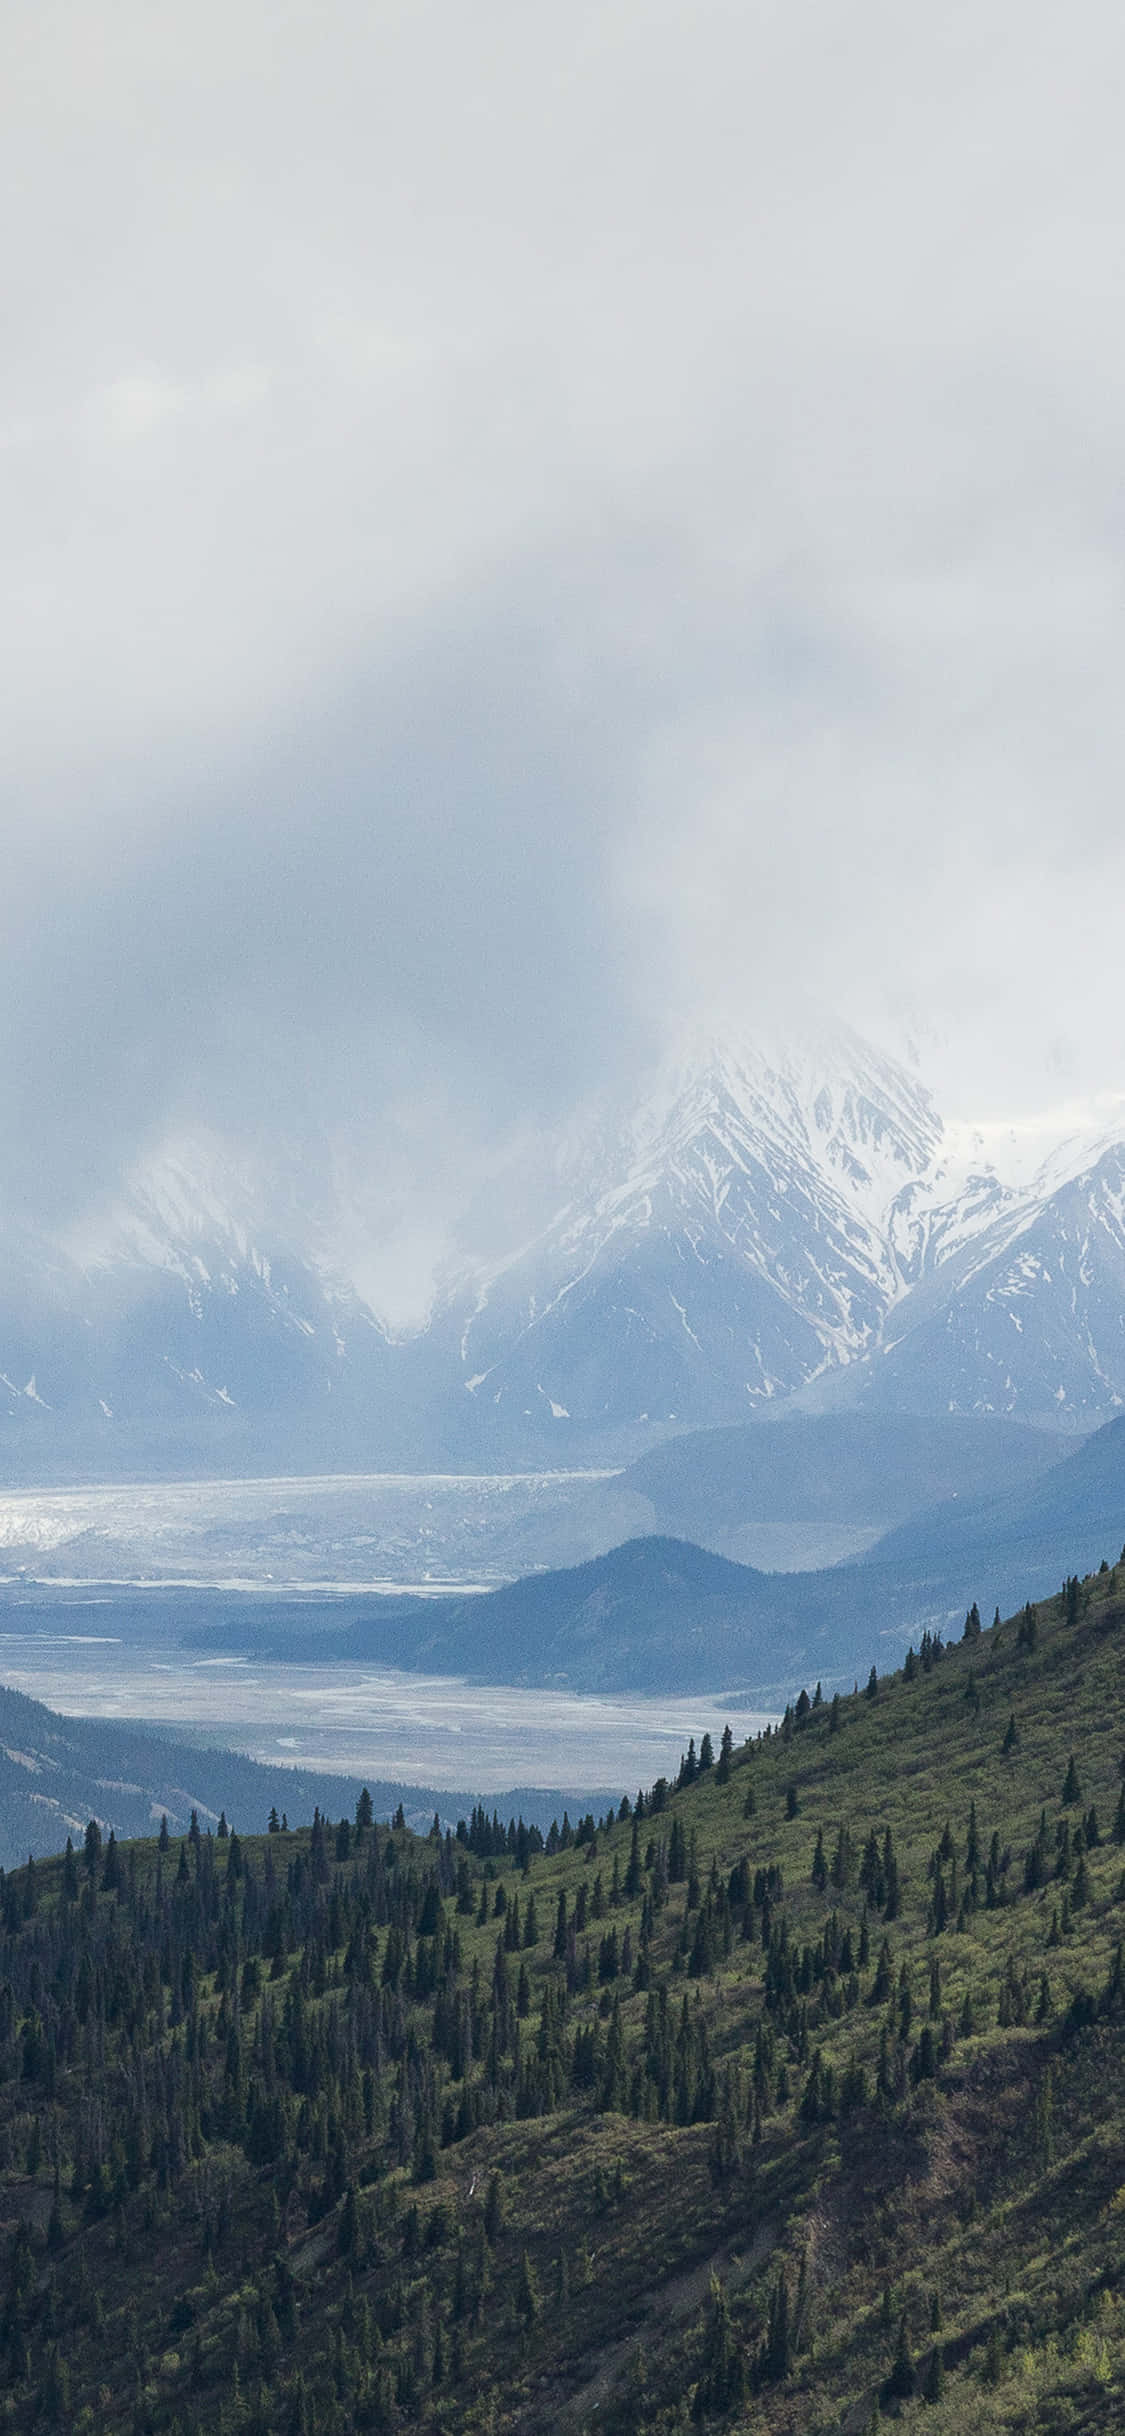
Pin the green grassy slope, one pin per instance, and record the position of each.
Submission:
(817, 2114)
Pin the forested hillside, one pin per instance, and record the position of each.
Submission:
(787, 2097)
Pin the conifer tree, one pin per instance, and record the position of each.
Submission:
(903, 2377)
(528, 2302)
(722, 2379)
(494, 2207)
(776, 2356)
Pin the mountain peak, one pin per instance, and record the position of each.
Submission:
(770, 1217)
(824, 1092)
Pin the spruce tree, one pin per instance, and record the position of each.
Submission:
(776, 2356)
(722, 2379)
(903, 2378)
(528, 2301)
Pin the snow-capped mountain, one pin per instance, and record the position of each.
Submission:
(184, 1325)
(765, 1224)
(1024, 1315)
(736, 1239)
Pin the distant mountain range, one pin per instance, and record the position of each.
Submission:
(761, 1226)
(56, 1773)
(659, 1614)
(814, 1488)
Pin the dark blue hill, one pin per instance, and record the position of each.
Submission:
(659, 1614)
(1077, 1505)
(853, 1468)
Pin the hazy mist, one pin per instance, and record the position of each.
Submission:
(523, 532)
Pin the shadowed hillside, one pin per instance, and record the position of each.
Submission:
(736, 1490)
(58, 1772)
(659, 1614)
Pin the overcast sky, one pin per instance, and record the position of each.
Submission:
(523, 526)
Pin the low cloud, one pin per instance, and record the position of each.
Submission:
(525, 536)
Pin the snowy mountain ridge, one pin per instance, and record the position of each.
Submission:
(789, 1165)
(771, 1220)
(766, 1222)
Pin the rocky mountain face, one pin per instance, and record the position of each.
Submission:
(765, 1225)
(1028, 1320)
(735, 1244)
